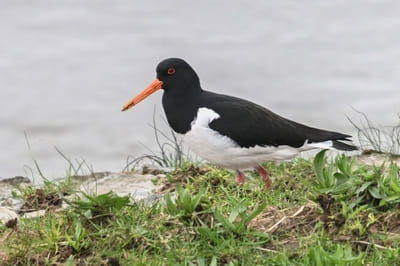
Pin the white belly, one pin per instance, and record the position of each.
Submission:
(223, 151)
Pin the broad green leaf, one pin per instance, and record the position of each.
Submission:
(225, 222)
(319, 163)
(374, 191)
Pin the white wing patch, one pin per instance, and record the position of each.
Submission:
(322, 145)
(204, 117)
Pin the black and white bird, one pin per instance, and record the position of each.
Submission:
(231, 132)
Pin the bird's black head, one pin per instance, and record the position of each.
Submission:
(177, 76)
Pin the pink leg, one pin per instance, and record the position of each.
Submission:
(264, 176)
(239, 177)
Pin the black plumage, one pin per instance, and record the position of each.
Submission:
(247, 123)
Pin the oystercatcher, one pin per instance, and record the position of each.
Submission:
(231, 132)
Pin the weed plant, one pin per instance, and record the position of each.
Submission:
(377, 138)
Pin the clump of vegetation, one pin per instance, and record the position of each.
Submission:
(377, 138)
(319, 212)
(171, 153)
(48, 196)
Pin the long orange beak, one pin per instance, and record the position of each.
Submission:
(154, 86)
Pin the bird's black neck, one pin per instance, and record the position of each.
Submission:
(180, 107)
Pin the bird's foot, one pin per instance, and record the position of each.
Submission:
(264, 176)
(239, 177)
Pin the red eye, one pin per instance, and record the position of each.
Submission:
(171, 71)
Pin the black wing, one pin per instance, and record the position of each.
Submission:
(249, 124)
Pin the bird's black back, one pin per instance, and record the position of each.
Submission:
(249, 124)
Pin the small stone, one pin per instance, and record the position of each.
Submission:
(35, 214)
(6, 214)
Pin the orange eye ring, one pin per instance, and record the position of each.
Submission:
(171, 71)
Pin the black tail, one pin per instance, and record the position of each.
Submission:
(343, 146)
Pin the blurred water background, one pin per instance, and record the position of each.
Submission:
(67, 67)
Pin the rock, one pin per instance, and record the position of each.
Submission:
(7, 214)
(35, 214)
(15, 181)
(377, 158)
(137, 186)
(77, 180)
(123, 184)
(6, 188)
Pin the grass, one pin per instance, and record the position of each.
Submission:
(319, 212)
